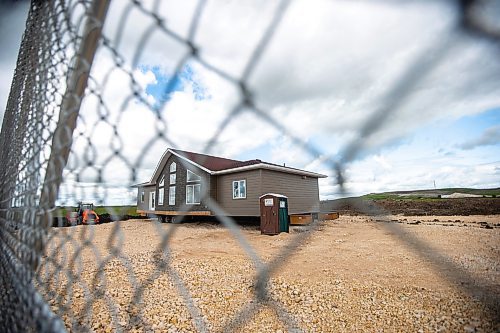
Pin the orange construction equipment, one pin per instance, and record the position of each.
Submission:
(85, 214)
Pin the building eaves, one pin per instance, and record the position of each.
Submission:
(214, 165)
(274, 167)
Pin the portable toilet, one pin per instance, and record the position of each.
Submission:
(273, 214)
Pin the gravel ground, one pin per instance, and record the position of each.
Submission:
(418, 274)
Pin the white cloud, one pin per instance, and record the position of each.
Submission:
(326, 70)
(333, 73)
(230, 30)
(382, 161)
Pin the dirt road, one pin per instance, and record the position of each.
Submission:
(401, 274)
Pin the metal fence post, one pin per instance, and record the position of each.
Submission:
(72, 99)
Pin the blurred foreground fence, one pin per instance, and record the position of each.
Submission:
(39, 161)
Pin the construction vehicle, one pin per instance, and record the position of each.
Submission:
(84, 214)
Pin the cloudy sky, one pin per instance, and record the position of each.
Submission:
(330, 69)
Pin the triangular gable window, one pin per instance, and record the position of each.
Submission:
(192, 177)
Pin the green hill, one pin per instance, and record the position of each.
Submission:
(433, 193)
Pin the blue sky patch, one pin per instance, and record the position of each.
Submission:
(450, 134)
(166, 84)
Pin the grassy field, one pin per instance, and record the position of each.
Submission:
(430, 194)
(421, 202)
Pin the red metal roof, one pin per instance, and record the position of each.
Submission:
(220, 165)
(214, 163)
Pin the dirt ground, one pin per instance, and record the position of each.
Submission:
(401, 273)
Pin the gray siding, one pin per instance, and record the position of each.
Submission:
(180, 186)
(302, 192)
(144, 205)
(240, 207)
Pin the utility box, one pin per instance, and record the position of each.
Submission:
(273, 214)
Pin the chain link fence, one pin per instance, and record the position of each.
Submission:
(62, 139)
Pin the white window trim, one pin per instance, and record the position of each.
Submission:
(143, 195)
(195, 175)
(170, 196)
(175, 178)
(161, 195)
(151, 200)
(193, 186)
(173, 167)
(161, 191)
(232, 188)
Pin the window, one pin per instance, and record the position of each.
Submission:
(142, 196)
(161, 194)
(193, 193)
(152, 200)
(161, 190)
(239, 189)
(192, 177)
(171, 196)
(173, 179)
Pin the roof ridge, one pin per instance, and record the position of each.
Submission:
(282, 166)
(200, 154)
(210, 162)
(220, 164)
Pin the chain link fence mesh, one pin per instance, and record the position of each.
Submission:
(60, 112)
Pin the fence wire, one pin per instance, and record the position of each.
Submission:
(59, 105)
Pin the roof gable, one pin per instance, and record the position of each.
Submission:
(161, 164)
(213, 163)
(218, 165)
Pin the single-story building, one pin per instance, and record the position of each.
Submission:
(181, 178)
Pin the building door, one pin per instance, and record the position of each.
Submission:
(283, 215)
(152, 200)
(269, 216)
